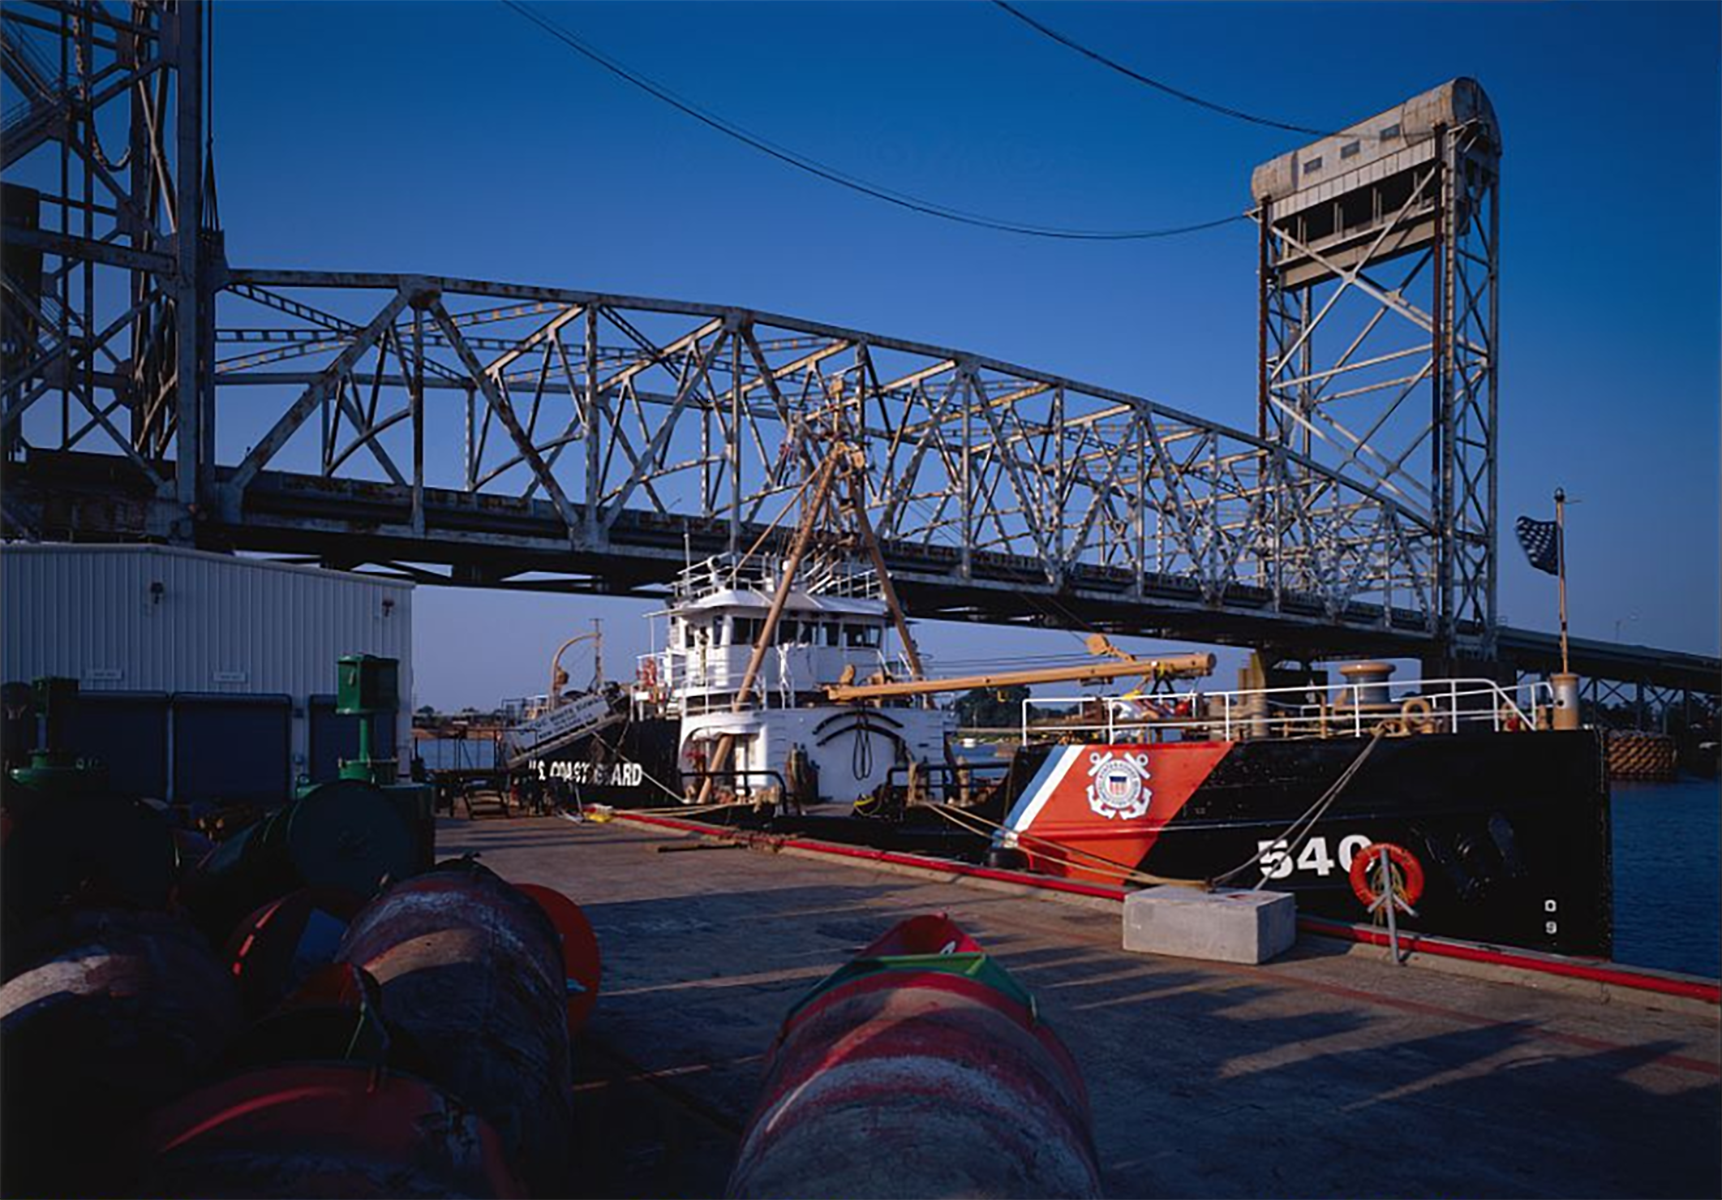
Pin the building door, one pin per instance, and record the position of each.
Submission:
(127, 731)
(232, 748)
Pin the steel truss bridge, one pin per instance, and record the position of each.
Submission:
(543, 438)
(487, 434)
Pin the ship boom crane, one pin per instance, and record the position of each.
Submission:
(1178, 666)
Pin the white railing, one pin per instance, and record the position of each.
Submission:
(817, 577)
(1310, 711)
(692, 681)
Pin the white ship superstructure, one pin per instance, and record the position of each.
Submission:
(834, 627)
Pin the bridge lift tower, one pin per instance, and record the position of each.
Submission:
(1379, 260)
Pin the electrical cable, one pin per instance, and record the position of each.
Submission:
(1176, 93)
(832, 175)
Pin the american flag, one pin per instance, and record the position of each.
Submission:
(1541, 540)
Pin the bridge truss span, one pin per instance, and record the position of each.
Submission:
(620, 413)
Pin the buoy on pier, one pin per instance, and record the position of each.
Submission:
(323, 1130)
(920, 1068)
(346, 835)
(124, 1012)
(86, 851)
(279, 947)
(472, 971)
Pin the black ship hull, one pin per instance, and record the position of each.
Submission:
(1509, 833)
(630, 765)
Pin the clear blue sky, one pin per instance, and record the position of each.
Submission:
(454, 138)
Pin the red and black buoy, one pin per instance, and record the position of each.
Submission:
(582, 967)
(278, 947)
(126, 1012)
(472, 972)
(920, 1068)
(322, 1130)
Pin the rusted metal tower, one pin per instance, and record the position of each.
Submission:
(1379, 259)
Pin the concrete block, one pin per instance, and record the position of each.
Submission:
(1228, 926)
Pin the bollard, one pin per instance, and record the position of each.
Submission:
(921, 1068)
(1566, 688)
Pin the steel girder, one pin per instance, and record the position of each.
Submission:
(605, 403)
(1380, 363)
(108, 248)
(546, 438)
(421, 404)
(1636, 704)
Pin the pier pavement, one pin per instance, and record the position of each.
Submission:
(1323, 1073)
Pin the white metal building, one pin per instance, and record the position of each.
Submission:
(203, 676)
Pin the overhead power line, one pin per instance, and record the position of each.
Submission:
(1149, 81)
(831, 174)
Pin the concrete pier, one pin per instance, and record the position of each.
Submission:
(1323, 1073)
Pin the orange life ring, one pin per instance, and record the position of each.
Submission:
(1400, 857)
(649, 673)
(1418, 715)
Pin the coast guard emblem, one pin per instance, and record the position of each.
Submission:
(1118, 789)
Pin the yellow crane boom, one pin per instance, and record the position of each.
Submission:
(1177, 666)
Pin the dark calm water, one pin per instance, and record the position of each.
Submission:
(1668, 875)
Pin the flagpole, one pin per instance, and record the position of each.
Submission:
(1561, 568)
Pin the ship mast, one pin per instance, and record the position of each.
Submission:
(834, 462)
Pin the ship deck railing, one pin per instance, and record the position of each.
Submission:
(686, 682)
(817, 576)
(1295, 712)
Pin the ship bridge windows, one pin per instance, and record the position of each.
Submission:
(862, 637)
(790, 631)
(747, 630)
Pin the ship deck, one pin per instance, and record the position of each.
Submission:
(1324, 1073)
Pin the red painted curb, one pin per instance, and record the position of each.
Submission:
(1524, 960)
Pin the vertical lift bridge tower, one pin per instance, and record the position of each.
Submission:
(1377, 348)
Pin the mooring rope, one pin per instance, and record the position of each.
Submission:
(1061, 853)
(1312, 814)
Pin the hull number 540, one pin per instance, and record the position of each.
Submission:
(1277, 863)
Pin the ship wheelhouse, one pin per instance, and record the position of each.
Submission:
(834, 626)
